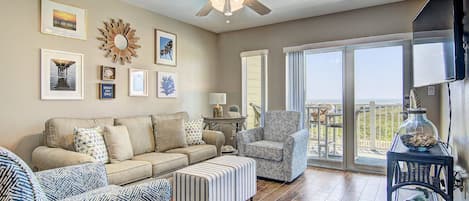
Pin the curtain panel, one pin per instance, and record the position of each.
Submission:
(295, 88)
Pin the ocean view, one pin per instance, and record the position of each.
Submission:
(359, 101)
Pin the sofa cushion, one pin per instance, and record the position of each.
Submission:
(177, 115)
(127, 171)
(268, 150)
(140, 132)
(197, 153)
(59, 131)
(90, 141)
(163, 163)
(170, 134)
(118, 143)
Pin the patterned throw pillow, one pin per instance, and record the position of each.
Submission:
(90, 141)
(194, 130)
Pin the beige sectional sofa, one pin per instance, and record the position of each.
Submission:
(147, 162)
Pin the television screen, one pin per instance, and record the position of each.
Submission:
(438, 53)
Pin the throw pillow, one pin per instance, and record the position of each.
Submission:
(170, 134)
(194, 130)
(118, 143)
(90, 141)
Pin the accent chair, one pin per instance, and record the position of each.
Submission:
(279, 148)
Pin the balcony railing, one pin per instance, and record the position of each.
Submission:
(375, 125)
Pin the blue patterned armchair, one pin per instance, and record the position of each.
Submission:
(279, 148)
(80, 182)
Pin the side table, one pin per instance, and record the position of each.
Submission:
(215, 123)
(432, 170)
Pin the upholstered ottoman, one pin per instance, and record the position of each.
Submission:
(245, 175)
(204, 182)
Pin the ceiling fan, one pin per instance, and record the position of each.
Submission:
(227, 7)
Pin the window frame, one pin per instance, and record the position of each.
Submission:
(264, 81)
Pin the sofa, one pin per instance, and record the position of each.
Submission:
(279, 148)
(83, 182)
(147, 161)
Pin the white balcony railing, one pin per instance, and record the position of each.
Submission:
(376, 124)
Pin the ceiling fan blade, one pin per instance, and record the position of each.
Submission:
(205, 10)
(257, 6)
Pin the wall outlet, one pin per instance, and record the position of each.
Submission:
(431, 90)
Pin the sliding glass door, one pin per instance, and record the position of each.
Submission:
(354, 102)
(324, 111)
(378, 101)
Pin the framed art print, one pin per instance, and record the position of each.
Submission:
(108, 73)
(63, 20)
(107, 91)
(138, 82)
(62, 76)
(167, 85)
(165, 48)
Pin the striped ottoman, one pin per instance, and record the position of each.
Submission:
(204, 182)
(245, 174)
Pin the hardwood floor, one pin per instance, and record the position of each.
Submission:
(324, 185)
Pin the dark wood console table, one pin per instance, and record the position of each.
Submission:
(432, 170)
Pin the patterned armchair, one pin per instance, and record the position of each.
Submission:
(80, 182)
(279, 148)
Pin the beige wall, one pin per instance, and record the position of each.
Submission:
(380, 20)
(23, 114)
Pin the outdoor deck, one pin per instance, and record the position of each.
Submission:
(376, 124)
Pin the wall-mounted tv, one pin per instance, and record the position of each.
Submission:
(438, 53)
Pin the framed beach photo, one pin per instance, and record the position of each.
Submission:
(167, 85)
(63, 20)
(108, 73)
(165, 48)
(107, 91)
(62, 76)
(138, 82)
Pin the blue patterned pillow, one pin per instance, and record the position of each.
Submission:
(90, 141)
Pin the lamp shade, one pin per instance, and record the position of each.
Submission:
(217, 98)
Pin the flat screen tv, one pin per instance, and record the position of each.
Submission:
(438, 53)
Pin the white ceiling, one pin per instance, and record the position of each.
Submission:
(282, 10)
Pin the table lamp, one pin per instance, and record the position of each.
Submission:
(217, 99)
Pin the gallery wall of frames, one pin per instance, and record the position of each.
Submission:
(62, 71)
(91, 59)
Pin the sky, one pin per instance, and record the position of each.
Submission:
(378, 75)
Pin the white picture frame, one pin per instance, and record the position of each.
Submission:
(62, 75)
(167, 86)
(63, 20)
(165, 48)
(138, 82)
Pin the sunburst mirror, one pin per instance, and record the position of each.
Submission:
(119, 41)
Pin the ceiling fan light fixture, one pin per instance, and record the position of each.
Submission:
(234, 5)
